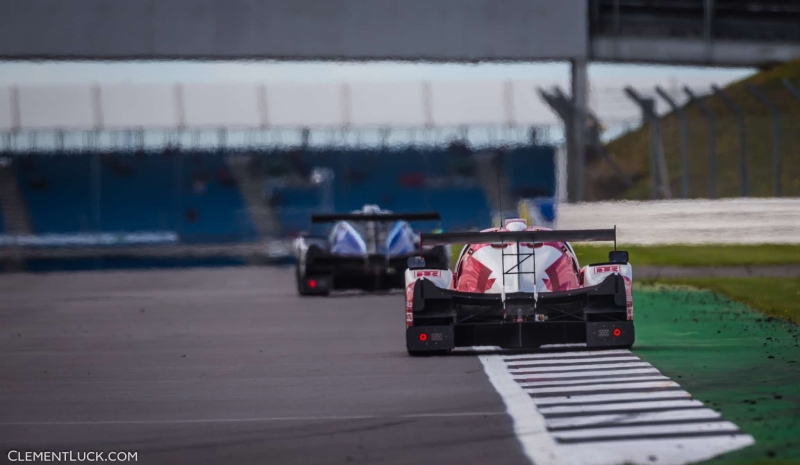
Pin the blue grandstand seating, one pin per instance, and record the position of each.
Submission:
(530, 171)
(296, 206)
(137, 193)
(394, 179)
(182, 193)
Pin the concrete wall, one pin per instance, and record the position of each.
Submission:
(126, 106)
(724, 221)
(411, 104)
(296, 29)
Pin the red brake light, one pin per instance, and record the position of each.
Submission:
(617, 332)
(423, 337)
(312, 283)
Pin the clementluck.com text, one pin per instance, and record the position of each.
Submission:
(71, 456)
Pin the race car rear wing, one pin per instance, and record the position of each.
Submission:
(499, 237)
(521, 237)
(334, 217)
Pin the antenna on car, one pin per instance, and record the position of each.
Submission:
(499, 198)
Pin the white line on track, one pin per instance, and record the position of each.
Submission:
(249, 420)
(621, 408)
(582, 374)
(529, 425)
(533, 369)
(568, 382)
(598, 387)
(573, 361)
(628, 418)
(549, 356)
(718, 426)
(604, 408)
(587, 398)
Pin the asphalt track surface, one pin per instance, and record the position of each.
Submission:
(229, 366)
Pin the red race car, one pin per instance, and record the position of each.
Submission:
(518, 287)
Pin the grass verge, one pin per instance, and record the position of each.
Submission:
(697, 255)
(775, 297)
(733, 359)
(689, 255)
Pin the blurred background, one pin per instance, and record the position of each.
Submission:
(203, 134)
(128, 143)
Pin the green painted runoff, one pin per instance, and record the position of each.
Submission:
(737, 361)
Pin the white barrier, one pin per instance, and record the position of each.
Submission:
(725, 221)
(89, 239)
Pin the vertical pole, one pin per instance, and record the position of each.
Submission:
(508, 103)
(791, 88)
(708, 28)
(647, 109)
(739, 114)
(180, 106)
(60, 140)
(684, 139)
(427, 105)
(578, 124)
(659, 179)
(346, 104)
(712, 141)
(97, 107)
(776, 137)
(263, 108)
(16, 117)
(222, 139)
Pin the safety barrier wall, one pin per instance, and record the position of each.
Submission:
(725, 221)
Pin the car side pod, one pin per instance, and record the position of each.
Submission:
(421, 340)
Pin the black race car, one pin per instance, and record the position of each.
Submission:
(367, 249)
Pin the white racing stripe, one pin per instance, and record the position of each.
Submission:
(632, 417)
(574, 361)
(717, 426)
(590, 398)
(568, 382)
(529, 425)
(602, 387)
(622, 407)
(582, 374)
(554, 355)
(527, 369)
(603, 408)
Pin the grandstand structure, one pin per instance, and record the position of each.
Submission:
(233, 171)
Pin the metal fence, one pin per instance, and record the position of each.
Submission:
(743, 141)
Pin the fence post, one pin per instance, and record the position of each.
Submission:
(659, 178)
(712, 141)
(684, 137)
(739, 114)
(776, 136)
(562, 105)
(791, 88)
